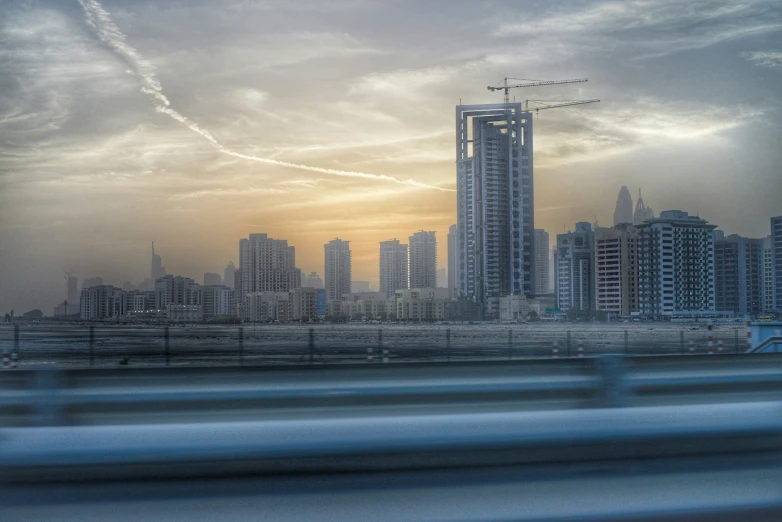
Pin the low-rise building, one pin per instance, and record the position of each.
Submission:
(266, 307)
(184, 313)
(513, 308)
(422, 304)
(304, 302)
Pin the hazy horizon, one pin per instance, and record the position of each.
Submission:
(92, 170)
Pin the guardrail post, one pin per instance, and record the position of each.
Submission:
(627, 343)
(614, 392)
(48, 409)
(510, 343)
(312, 346)
(448, 344)
(16, 339)
(241, 346)
(168, 347)
(568, 343)
(92, 345)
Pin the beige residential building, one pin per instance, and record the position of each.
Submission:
(267, 307)
(513, 308)
(304, 304)
(422, 304)
(616, 270)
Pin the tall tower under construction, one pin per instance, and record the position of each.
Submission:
(495, 210)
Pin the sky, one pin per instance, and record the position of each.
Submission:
(195, 123)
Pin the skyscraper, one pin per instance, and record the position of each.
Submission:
(423, 260)
(675, 265)
(453, 259)
(266, 265)
(616, 269)
(337, 269)
(72, 289)
(495, 210)
(228, 275)
(541, 261)
(574, 269)
(642, 212)
(776, 261)
(157, 269)
(393, 267)
(623, 213)
(738, 275)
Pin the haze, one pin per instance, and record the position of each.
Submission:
(90, 172)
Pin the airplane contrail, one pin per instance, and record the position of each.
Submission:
(108, 32)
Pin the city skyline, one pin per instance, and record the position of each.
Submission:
(84, 190)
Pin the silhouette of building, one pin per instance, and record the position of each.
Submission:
(211, 279)
(176, 290)
(495, 210)
(423, 260)
(72, 289)
(91, 281)
(337, 269)
(623, 213)
(228, 275)
(157, 269)
(642, 212)
(312, 280)
(393, 267)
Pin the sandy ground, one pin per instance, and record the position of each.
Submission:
(68, 345)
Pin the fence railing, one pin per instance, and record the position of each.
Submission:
(100, 345)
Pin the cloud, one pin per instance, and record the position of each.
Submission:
(112, 36)
(764, 58)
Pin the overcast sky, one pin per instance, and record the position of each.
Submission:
(91, 170)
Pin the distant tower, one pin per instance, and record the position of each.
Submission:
(393, 267)
(453, 259)
(541, 261)
(642, 212)
(71, 288)
(624, 207)
(337, 269)
(157, 269)
(423, 260)
(228, 275)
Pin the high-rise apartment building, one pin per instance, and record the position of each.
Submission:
(156, 269)
(623, 213)
(738, 275)
(776, 262)
(616, 270)
(423, 260)
(675, 265)
(495, 211)
(541, 261)
(574, 269)
(453, 259)
(393, 267)
(176, 290)
(266, 265)
(768, 275)
(337, 269)
(100, 302)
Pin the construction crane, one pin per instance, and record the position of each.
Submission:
(553, 104)
(504, 86)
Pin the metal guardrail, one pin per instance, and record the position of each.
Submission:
(72, 397)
